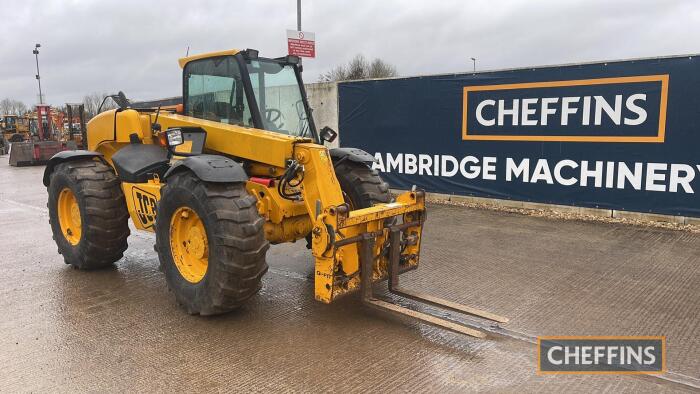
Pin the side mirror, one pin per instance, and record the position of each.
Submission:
(250, 54)
(121, 100)
(328, 134)
(292, 59)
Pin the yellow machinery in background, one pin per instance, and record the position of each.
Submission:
(13, 128)
(40, 142)
(237, 166)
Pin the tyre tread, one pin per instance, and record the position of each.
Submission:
(237, 233)
(105, 221)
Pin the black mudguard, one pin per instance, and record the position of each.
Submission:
(66, 155)
(210, 168)
(339, 155)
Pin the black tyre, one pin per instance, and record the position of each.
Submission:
(88, 214)
(211, 243)
(362, 186)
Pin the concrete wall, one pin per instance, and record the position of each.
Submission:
(323, 98)
(600, 212)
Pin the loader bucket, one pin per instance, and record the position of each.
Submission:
(33, 153)
(384, 241)
(21, 154)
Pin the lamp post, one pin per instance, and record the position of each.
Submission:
(38, 77)
(299, 15)
(299, 29)
(474, 61)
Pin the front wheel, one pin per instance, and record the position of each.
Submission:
(210, 242)
(362, 186)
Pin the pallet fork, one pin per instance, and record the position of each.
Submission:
(366, 243)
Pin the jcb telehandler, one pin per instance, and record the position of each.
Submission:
(238, 166)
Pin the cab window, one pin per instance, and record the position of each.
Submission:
(279, 97)
(214, 91)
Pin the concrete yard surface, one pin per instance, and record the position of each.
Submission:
(119, 329)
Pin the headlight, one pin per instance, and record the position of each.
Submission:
(174, 137)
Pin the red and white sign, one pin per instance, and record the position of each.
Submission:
(301, 43)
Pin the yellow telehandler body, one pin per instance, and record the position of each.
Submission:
(237, 166)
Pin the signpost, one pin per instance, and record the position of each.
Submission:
(301, 43)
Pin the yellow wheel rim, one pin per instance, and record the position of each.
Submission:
(69, 216)
(189, 245)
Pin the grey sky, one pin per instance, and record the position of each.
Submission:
(106, 46)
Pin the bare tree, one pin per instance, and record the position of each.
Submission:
(337, 73)
(92, 103)
(6, 106)
(16, 107)
(360, 68)
(381, 69)
(12, 107)
(21, 108)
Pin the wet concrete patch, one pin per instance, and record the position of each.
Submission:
(120, 329)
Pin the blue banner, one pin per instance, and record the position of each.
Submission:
(618, 135)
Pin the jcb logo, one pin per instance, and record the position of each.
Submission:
(145, 206)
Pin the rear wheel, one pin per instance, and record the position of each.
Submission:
(88, 214)
(211, 243)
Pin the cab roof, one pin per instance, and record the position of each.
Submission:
(188, 59)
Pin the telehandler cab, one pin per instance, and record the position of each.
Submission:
(238, 166)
